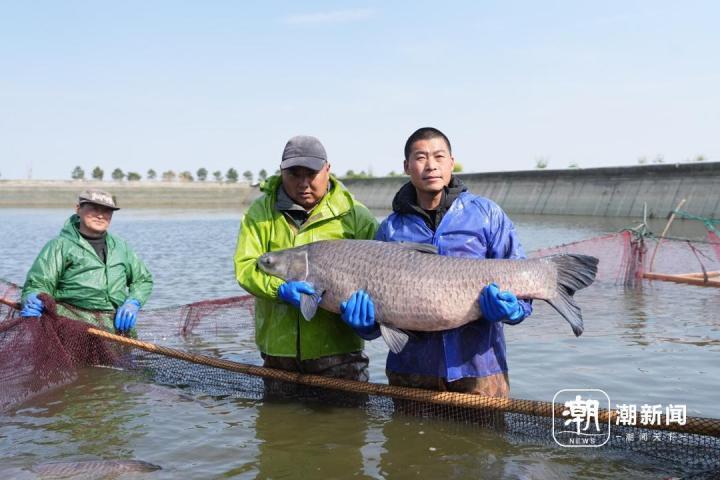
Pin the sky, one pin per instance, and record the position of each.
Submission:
(180, 85)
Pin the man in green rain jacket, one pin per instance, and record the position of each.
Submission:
(304, 204)
(87, 268)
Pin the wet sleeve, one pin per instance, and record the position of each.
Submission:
(250, 246)
(365, 224)
(502, 237)
(44, 274)
(504, 243)
(371, 335)
(140, 281)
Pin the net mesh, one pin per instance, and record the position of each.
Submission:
(628, 257)
(620, 255)
(38, 355)
(714, 241)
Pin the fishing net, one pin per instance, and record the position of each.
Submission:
(41, 354)
(620, 255)
(631, 256)
(714, 241)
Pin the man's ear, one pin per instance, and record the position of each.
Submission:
(405, 167)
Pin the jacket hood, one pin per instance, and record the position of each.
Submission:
(405, 201)
(270, 185)
(71, 231)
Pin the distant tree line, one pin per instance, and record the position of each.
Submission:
(230, 176)
(202, 175)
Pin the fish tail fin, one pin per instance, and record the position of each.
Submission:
(575, 272)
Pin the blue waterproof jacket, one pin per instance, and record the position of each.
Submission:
(472, 227)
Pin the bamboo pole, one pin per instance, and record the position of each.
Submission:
(693, 425)
(699, 274)
(700, 282)
(662, 236)
(10, 303)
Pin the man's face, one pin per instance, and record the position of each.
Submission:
(429, 165)
(94, 219)
(306, 187)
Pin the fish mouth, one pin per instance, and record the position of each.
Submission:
(264, 260)
(267, 264)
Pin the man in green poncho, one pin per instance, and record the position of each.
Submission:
(87, 268)
(304, 204)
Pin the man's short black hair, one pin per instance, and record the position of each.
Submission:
(425, 133)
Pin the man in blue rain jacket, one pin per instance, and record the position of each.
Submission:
(436, 208)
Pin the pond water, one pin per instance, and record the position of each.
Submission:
(657, 344)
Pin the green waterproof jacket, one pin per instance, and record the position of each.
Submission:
(280, 329)
(69, 270)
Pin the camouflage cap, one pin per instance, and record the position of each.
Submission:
(98, 197)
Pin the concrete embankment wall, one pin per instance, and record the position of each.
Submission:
(611, 192)
(144, 194)
(614, 192)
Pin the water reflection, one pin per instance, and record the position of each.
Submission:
(633, 325)
(301, 440)
(94, 406)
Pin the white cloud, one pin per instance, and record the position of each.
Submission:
(338, 16)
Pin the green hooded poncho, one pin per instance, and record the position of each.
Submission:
(69, 270)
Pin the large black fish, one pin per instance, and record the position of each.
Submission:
(413, 288)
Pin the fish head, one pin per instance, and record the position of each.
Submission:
(290, 264)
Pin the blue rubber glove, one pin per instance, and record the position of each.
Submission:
(33, 306)
(497, 306)
(290, 291)
(126, 315)
(358, 311)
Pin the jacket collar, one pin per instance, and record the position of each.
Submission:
(71, 231)
(284, 202)
(405, 200)
(337, 201)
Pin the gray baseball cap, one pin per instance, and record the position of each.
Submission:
(98, 197)
(304, 151)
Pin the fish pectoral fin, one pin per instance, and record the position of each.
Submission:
(309, 303)
(396, 339)
(421, 247)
